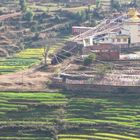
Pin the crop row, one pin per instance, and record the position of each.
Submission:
(29, 116)
(70, 117)
(22, 60)
(114, 114)
(100, 136)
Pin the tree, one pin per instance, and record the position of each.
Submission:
(34, 27)
(116, 5)
(48, 41)
(112, 2)
(23, 5)
(97, 4)
(28, 15)
(88, 60)
(57, 19)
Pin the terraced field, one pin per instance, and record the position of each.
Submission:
(29, 116)
(73, 116)
(21, 60)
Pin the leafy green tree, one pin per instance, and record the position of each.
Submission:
(83, 15)
(88, 60)
(116, 5)
(34, 27)
(23, 5)
(97, 4)
(57, 19)
(112, 3)
(28, 15)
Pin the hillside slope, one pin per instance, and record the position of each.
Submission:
(73, 116)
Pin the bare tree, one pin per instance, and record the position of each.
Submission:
(46, 53)
(49, 40)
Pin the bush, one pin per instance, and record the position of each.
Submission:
(57, 19)
(81, 68)
(23, 5)
(34, 27)
(49, 82)
(88, 60)
(103, 68)
(28, 16)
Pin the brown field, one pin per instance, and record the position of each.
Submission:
(29, 80)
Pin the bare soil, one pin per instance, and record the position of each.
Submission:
(28, 80)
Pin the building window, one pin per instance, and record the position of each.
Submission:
(113, 40)
(124, 40)
(118, 40)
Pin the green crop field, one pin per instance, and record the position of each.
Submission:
(27, 58)
(73, 116)
(21, 60)
(51, 7)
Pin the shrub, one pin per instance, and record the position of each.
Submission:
(88, 60)
(49, 82)
(28, 15)
(103, 68)
(23, 5)
(81, 68)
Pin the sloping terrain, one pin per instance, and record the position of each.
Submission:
(73, 116)
(29, 112)
(18, 32)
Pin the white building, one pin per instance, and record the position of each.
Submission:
(122, 30)
(127, 35)
(118, 37)
(133, 26)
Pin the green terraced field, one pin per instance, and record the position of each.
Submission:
(21, 60)
(73, 116)
(29, 116)
(26, 58)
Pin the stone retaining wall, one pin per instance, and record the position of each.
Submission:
(98, 88)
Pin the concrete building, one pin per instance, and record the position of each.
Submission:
(133, 26)
(128, 35)
(106, 51)
(119, 37)
(122, 30)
